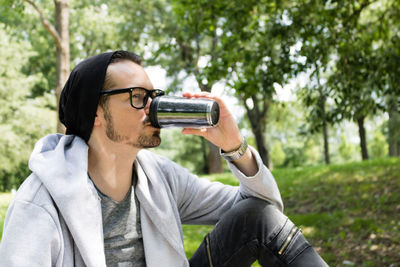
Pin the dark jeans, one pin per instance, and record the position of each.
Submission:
(255, 230)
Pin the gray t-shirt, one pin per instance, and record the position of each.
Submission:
(123, 242)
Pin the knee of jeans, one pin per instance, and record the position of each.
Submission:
(272, 228)
(258, 215)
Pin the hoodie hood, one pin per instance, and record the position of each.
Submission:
(61, 162)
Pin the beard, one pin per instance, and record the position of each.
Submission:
(148, 141)
(143, 141)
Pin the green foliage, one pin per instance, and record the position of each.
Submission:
(349, 43)
(378, 145)
(278, 155)
(23, 120)
(312, 150)
(24, 24)
(94, 27)
(10, 11)
(186, 150)
(5, 199)
(294, 156)
(285, 133)
(346, 150)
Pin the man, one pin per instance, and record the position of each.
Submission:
(96, 198)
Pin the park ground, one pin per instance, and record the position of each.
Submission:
(350, 213)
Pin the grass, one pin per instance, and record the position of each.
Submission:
(350, 213)
(5, 199)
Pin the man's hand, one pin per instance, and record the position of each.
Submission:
(225, 135)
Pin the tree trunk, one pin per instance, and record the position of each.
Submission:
(206, 167)
(363, 139)
(322, 102)
(258, 120)
(63, 57)
(261, 146)
(325, 131)
(393, 127)
(60, 35)
(326, 144)
(214, 158)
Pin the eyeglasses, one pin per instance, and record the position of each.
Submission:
(138, 95)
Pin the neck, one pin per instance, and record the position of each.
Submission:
(110, 168)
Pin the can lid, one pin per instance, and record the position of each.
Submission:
(214, 113)
(153, 112)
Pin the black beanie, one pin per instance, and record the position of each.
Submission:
(80, 96)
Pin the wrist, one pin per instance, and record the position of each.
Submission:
(235, 154)
(233, 144)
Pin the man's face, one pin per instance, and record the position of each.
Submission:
(123, 123)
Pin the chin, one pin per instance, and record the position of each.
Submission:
(149, 141)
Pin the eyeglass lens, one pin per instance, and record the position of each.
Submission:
(139, 97)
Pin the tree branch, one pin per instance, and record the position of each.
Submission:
(250, 114)
(356, 14)
(47, 25)
(266, 103)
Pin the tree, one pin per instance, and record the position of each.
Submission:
(60, 34)
(22, 121)
(315, 99)
(313, 21)
(337, 32)
(387, 69)
(106, 28)
(359, 89)
(259, 50)
(357, 37)
(353, 90)
(247, 44)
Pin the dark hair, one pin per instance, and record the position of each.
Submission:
(118, 56)
(125, 55)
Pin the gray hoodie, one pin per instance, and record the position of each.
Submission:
(55, 217)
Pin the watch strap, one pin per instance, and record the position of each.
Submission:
(236, 154)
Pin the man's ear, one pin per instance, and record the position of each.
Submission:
(99, 116)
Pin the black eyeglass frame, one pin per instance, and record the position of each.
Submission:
(149, 93)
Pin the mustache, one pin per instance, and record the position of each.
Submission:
(146, 121)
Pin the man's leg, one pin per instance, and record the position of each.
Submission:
(255, 230)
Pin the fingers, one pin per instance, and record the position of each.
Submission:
(199, 94)
(208, 95)
(198, 132)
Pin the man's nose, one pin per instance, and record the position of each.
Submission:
(147, 107)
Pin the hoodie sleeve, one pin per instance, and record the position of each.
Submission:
(261, 185)
(30, 237)
(201, 201)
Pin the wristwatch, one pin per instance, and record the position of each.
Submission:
(236, 154)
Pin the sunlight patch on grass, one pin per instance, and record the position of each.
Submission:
(308, 231)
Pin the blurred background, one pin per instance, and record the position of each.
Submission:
(314, 86)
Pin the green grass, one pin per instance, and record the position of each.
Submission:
(5, 199)
(348, 212)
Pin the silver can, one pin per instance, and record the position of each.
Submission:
(173, 111)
